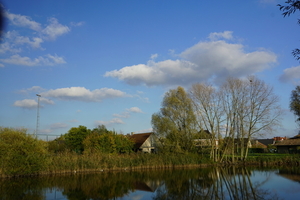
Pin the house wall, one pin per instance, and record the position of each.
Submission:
(148, 145)
(283, 149)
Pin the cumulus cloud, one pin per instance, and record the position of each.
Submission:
(34, 35)
(51, 31)
(206, 60)
(83, 94)
(135, 110)
(26, 103)
(127, 113)
(33, 89)
(47, 60)
(54, 29)
(110, 122)
(23, 21)
(34, 42)
(291, 75)
(32, 103)
(220, 35)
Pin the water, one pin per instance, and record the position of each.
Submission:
(186, 184)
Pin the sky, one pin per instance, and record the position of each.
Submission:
(110, 62)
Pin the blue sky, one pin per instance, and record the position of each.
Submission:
(110, 62)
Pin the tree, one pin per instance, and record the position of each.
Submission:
(75, 136)
(100, 129)
(109, 142)
(21, 153)
(208, 109)
(239, 109)
(251, 108)
(289, 9)
(295, 103)
(175, 124)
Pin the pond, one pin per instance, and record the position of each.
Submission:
(196, 183)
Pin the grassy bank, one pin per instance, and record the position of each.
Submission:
(22, 155)
(70, 162)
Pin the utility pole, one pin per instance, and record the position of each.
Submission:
(37, 115)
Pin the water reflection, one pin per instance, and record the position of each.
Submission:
(203, 183)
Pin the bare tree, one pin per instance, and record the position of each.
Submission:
(239, 109)
(254, 110)
(208, 110)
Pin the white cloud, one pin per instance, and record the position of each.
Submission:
(204, 61)
(46, 101)
(110, 122)
(8, 47)
(126, 114)
(34, 43)
(220, 35)
(122, 115)
(26, 103)
(31, 103)
(291, 75)
(75, 24)
(135, 110)
(83, 94)
(31, 35)
(55, 29)
(47, 60)
(153, 56)
(35, 89)
(23, 21)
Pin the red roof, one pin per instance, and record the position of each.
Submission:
(140, 138)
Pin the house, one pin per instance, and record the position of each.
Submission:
(143, 142)
(205, 140)
(291, 145)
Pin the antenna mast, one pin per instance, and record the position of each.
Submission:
(37, 115)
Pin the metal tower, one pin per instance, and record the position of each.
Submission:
(37, 115)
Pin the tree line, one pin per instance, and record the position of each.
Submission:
(223, 119)
(98, 140)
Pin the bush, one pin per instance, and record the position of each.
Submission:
(21, 153)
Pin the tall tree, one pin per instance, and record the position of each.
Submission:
(209, 111)
(295, 104)
(291, 7)
(75, 136)
(175, 124)
(254, 109)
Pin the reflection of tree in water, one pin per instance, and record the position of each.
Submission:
(217, 183)
(106, 185)
(291, 173)
(206, 183)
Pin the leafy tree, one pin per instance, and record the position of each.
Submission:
(291, 7)
(21, 153)
(175, 124)
(295, 103)
(109, 142)
(75, 136)
(57, 145)
(100, 129)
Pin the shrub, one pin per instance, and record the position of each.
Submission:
(21, 153)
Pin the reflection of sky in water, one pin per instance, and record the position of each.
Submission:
(276, 184)
(138, 195)
(269, 181)
(54, 194)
